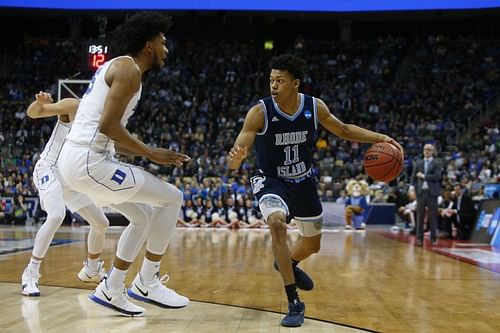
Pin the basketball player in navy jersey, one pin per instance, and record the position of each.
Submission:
(283, 127)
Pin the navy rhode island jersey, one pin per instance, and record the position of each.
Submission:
(285, 145)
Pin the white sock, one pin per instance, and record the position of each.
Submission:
(116, 278)
(149, 269)
(34, 265)
(93, 264)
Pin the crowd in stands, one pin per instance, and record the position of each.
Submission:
(197, 104)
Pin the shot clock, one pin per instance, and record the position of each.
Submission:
(98, 55)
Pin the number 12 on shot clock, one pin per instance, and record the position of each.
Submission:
(98, 55)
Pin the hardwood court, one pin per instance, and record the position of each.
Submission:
(363, 280)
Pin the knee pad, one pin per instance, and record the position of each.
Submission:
(56, 215)
(309, 226)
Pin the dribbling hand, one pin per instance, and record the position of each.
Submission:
(390, 140)
(165, 156)
(236, 155)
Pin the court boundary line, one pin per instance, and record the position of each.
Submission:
(226, 304)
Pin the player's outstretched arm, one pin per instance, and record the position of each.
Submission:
(44, 107)
(254, 122)
(349, 131)
(124, 80)
(123, 150)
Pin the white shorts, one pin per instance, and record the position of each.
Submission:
(47, 180)
(103, 178)
(271, 203)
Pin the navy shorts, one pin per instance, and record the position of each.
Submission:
(301, 198)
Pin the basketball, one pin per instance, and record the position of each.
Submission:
(383, 162)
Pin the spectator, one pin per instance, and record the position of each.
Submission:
(2, 214)
(464, 211)
(426, 177)
(447, 219)
(20, 210)
(252, 217)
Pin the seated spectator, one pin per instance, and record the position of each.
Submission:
(189, 216)
(20, 210)
(342, 199)
(2, 214)
(446, 218)
(199, 207)
(219, 215)
(208, 211)
(464, 211)
(235, 213)
(379, 197)
(409, 211)
(8, 210)
(479, 196)
(252, 216)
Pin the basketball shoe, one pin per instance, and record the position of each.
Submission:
(29, 283)
(156, 293)
(116, 300)
(88, 276)
(295, 315)
(302, 280)
(361, 227)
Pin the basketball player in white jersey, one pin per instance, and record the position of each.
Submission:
(87, 164)
(54, 196)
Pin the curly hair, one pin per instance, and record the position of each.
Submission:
(288, 62)
(131, 36)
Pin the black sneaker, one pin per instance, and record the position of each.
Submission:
(302, 280)
(295, 315)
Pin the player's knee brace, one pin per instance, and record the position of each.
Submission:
(55, 217)
(309, 227)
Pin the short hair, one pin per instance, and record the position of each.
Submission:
(429, 146)
(131, 36)
(288, 62)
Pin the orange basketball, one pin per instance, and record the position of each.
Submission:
(383, 162)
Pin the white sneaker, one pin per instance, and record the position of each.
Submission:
(116, 300)
(395, 228)
(88, 276)
(156, 293)
(29, 283)
(348, 227)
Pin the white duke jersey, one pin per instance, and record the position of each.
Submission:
(55, 143)
(85, 130)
